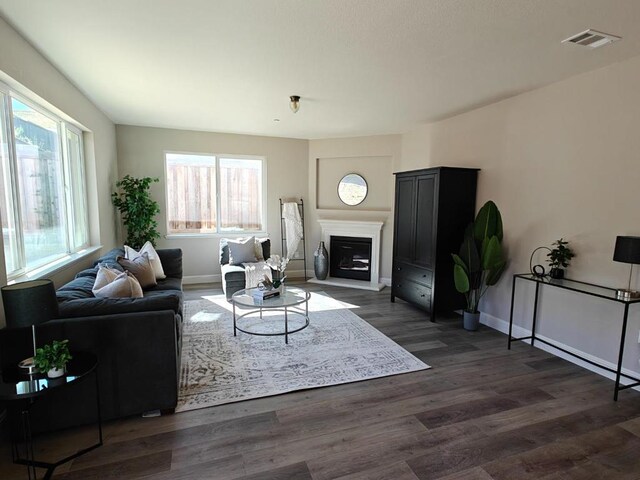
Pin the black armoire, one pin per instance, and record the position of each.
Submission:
(432, 209)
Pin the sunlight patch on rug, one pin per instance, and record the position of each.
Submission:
(337, 347)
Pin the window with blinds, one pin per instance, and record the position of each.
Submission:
(214, 194)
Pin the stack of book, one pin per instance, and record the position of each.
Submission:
(265, 294)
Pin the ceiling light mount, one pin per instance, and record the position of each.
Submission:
(294, 103)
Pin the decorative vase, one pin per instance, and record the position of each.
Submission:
(471, 321)
(276, 278)
(556, 273)
(55, 372)
(321, 262)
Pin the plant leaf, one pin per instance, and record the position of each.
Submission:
(460, 279)
(492, 255)
(469, 255)
(488, 222)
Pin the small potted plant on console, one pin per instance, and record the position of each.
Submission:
(53, 358)
(559, 258)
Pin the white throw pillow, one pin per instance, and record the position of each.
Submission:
(124, 285)
(154, 259)
(242, 251)
(105, 276)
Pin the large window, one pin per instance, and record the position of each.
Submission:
(214, 194)
(42, 186)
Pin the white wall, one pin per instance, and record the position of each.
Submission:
(375, 158)
(141, 153)
(560, 161)
(26, 70)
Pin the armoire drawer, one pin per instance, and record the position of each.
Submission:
(413, 273)
(413, 292)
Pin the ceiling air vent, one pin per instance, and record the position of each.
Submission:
(592, 39)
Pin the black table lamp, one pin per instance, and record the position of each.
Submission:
(27, 304)
(627, 251)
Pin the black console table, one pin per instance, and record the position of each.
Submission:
(21, 391)
(593, 290)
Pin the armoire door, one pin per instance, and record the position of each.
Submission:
(425, 221)
(405, 219)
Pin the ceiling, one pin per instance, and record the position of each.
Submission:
(361, 66)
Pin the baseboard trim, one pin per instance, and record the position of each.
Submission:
(503, 326)
(217, 277)
(196, 279)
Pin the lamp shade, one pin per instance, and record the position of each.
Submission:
(29, 303)
(627, 250)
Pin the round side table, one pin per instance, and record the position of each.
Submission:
(19, 392)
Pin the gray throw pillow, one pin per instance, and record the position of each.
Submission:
(141, 268)
(242, 251)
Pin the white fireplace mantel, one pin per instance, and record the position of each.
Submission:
(353, 228)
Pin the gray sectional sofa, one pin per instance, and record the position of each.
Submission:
(137, 341)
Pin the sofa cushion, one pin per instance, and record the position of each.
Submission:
(152, 301)
(171, 259)
(88, 272)
(78, 288)
(110, 259)
(169, 283)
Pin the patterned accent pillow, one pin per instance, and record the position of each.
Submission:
(154, 258)
(141, 268)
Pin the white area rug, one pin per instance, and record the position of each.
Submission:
(337, 347)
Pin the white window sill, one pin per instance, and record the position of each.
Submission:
(55, 267)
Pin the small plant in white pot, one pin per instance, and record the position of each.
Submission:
(480, 262)
(53, 358)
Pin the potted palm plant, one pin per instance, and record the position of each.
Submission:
(52, 359)
(480, 262)
(559, 258)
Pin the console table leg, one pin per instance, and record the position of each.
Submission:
(513, 293)
(621, 351)
(535, 314)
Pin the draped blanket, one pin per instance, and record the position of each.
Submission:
(254, 273)
(292, 226)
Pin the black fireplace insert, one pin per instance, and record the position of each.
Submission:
(350, 257)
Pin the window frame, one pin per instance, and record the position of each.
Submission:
(68, 207)
(218, 233)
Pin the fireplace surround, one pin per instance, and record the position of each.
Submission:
(370, 230)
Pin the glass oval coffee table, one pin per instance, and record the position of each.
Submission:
(292, 300)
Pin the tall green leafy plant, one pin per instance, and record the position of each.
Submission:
(480, 262)
(138, 210)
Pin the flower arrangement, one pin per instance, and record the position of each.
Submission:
(278, 265)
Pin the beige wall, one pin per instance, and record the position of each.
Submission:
(560, 161)
(141, 153)
(26, 70)
(375, 158)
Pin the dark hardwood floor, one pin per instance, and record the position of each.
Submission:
(482, 412)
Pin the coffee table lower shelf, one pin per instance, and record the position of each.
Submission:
(291, 302)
